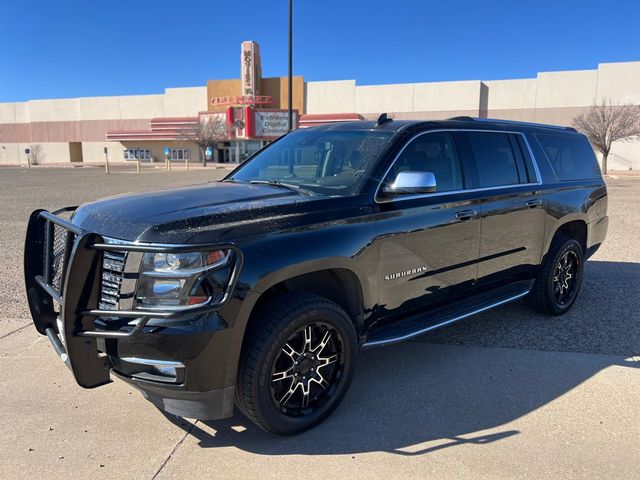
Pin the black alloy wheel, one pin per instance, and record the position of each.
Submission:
(559, 279)
(565, 278)
(297, 362)
(307, 370)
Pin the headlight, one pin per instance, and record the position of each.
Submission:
(179, 280)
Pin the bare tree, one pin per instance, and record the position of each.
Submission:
(207, 131)
(36, 154)
(607, 123)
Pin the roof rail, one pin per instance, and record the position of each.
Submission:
(465, 118)
(512, 122)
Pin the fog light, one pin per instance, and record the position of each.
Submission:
(148, 369)
(165, 370)
(167, 288)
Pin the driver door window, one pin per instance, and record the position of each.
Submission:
(432, 152)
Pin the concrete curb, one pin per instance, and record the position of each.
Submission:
(125, 166)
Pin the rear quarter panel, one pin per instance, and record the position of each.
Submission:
(567, 201)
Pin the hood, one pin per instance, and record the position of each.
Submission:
(177, 214)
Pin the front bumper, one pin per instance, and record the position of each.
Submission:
(67, 312)
(209, 405)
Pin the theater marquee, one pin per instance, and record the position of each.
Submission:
(272, 124)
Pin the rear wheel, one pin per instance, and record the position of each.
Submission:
(297, 364)
(560, 278)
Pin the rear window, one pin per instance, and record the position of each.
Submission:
(571, 156)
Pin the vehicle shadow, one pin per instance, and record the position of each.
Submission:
(604, 319)
(419, 397)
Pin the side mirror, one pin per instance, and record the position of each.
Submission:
(411, 183)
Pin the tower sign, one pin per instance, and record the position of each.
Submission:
(251, 70)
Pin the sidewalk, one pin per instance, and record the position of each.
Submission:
(623, 173)
(414, 410)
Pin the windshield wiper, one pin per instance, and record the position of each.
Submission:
(278, 183)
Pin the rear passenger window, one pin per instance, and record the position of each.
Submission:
(495, 162)
(571, 156)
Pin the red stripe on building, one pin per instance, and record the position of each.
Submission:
(315, 119)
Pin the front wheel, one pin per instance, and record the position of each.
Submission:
(296, 364)
(560, 277)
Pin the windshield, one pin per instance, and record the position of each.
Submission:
(330, 162)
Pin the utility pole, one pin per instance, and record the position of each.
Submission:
(290, 79)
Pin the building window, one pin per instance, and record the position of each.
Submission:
(137, 154)
(180, 154)
(297, 154)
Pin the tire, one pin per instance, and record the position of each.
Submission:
(272, 388)
(556, 287)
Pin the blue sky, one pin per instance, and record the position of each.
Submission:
(88, 48)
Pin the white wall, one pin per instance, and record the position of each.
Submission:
(384, 98)
(330, 97)
(511, 94)
(175, 102)
(52, 152)
(66, 109)
(566, 89)
(444, 96)
(8, 113)
(184, 102)
(142, 106)
(99, 108)
(619, 82)
(23, 113)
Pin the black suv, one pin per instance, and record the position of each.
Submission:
(259, 290)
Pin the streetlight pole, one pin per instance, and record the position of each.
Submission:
(290, 78)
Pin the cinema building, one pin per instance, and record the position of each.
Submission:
(247, 112)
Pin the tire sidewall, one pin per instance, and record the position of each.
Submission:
(569, 245)
(281, 423)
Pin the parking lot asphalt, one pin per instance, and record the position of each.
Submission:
(505, 394)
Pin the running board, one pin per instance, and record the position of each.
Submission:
(413, 326)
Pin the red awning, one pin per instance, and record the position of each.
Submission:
(161, 129)
(315, 119)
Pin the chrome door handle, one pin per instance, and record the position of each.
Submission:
(533, 203)
(466, 214)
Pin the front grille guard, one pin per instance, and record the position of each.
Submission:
(72, 330)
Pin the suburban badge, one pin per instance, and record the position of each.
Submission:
(405, 273)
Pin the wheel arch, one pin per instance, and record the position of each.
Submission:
(346, 290)
(339, 284)
(576, 229)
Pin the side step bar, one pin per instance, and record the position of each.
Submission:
(413, 326)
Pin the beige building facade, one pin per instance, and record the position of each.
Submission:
(551, 97)
(75, 129)
(78, 129)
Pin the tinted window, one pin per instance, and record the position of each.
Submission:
(528, 162)
(571, 156)
(495, 162)
(431, 152)
(332, 162)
